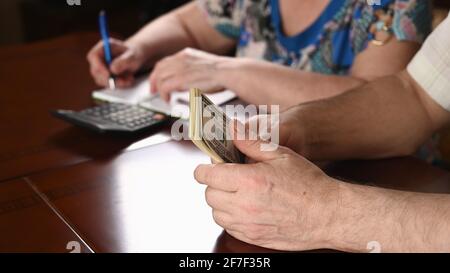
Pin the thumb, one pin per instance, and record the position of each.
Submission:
(253, 147)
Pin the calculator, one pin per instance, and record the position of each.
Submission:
(114, 117)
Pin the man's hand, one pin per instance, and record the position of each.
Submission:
(288, 125)
(281, 201)
(127, 61)
(186, 69)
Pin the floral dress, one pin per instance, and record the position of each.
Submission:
(328, 46)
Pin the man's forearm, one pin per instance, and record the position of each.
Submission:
(384, 118)
(394, 221)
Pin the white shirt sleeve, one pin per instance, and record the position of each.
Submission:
(431, 65)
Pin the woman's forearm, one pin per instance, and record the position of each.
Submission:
(262, 83)
(184, 27)
(160, 38)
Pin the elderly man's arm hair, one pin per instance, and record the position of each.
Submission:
(391, 116)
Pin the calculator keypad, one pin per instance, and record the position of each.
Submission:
(129, 116)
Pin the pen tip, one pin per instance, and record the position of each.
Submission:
(102, 12)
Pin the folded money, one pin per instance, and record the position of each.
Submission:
(209, 129)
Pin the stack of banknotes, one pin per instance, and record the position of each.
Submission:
(211, 130)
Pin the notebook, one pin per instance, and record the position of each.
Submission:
(140, 95)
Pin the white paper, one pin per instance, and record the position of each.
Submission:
(133, 95)
(140, 94)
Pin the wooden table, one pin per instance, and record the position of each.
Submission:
(62, 186)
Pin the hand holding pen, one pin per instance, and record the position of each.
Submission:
(113, 63)
(104, 32)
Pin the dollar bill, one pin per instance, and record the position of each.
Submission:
(209, 129)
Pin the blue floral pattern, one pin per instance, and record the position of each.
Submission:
(331, 45)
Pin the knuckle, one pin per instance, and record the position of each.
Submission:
(198, 174)
(166, 87)
(158, 66)
(186, 52)
(251, 183)
(288, 156)
(95, 69)
(221, 220)
(208, 176)
(119, 62)
(91, 56)
(251, 209)
(256, 182)
(255, 145)
(208, 196)
(97, 72)
(217, 217)
(117, 67)
(254, 232)
(98, 81)
(114, 41)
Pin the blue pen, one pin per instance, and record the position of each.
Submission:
(103, 24)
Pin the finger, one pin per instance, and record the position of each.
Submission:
(170, 85)
(167, 63)
(164, 70)
(117, 46)
(260, 126)
(168, 82)
(98, 67)
(219, 200)
(223, 219)
(152, 80)
(163, 89)
(96, 53)
(100, 79)
(253, 148)
(235, 233)
(223, 177)
(125, 81)
(157, 77)
(124, 63)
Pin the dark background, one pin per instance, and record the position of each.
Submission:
(24, 21)
(31, 20)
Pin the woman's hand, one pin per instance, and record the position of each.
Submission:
(127, 60)
(186, 69)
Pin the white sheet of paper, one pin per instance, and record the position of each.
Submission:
(140, 94)
(133, 95)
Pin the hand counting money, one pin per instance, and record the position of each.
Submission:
(209, 129)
